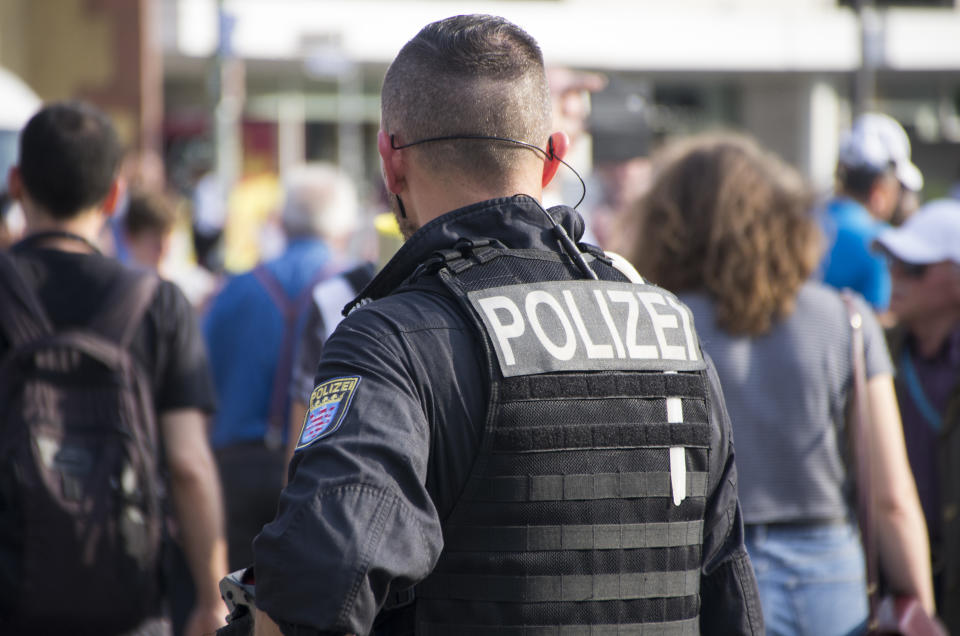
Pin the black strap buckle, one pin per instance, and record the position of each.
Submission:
(400, 599)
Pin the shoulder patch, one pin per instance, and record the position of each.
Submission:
(328, 405)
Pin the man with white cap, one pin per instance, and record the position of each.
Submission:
(873, 173)
(924, 257)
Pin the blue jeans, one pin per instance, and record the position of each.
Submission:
(812, 578)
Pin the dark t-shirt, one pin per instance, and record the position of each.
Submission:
(71, 287)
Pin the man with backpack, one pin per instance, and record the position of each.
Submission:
(104, 388)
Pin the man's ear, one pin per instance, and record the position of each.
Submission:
(109, 205)
(392, 161)
(883, 197)
(557, 145)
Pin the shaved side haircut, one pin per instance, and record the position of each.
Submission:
(468, 75)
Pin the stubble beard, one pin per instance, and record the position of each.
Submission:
(407, 227)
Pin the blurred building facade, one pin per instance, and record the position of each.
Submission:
(104, 51)
(241, 86)
(787, 71)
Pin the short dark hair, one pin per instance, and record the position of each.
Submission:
(468, 75)
(69, 156)
(857, 181)
(149, 212)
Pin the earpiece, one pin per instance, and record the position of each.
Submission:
(550, 153)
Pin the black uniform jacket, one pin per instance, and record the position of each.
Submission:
(392, 431)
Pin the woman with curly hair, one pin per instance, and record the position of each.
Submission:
(727, 226)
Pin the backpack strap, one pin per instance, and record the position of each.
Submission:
(291, 310)
(125, 305)
(22, 316)
(274, 289)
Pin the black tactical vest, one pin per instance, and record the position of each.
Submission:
(583, 513)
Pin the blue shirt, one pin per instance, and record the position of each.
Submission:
(244, 331)
(850, 262)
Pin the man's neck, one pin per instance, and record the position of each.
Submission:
(844, 195)
(431, 209)
(444, 194)
(929, 334)
(86, 224)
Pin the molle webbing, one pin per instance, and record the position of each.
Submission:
(572, 587)
(581, 411)
(603, 385)
(573, 561)
(569, 523)
(674, 628)
(633, 618)
(586, 487)
(626, 536)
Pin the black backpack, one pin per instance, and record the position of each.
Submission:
(81, 501)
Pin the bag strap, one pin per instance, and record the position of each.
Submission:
(861, 455)
(909, 373)
(291, 309)
(125, 305)
(22, 316)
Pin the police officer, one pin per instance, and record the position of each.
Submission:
(507, 435)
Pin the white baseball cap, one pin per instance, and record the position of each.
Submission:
(930, 235)
(876, 142)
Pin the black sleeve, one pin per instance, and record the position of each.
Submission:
(183, 372)
(356, 521)
(729, 595)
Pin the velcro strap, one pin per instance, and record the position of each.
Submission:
(586, 487)
(574, 587)
(573, 537)
(485, 253)
(460, 265)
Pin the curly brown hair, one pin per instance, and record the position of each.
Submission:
(726, 217)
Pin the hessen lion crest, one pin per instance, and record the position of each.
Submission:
(328, 404)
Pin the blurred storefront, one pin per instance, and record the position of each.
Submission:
(786, 71)
(104, 51)
(240, 89)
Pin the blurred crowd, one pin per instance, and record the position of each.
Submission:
(771, 270)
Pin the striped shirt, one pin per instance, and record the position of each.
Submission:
(786, 392)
